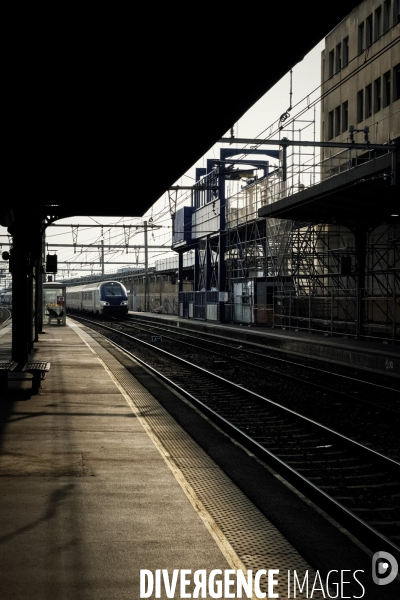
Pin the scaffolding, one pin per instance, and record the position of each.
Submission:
(312, 274)
(307, 276)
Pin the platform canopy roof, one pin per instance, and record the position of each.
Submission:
(105, 115)
(364, 196)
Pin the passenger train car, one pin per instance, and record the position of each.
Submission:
(108, 298)
(6, 298)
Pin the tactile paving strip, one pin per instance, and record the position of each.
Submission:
(256, 542)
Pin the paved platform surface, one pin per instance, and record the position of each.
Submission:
(87, 499)
(383, 358)
(98, 482)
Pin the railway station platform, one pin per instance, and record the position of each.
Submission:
(367, 355)
(100, 485)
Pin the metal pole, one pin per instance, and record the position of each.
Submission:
(394, 315)
(146, 266)
(19, 271)
(394, 170)
(102, 257)
(360, 235)
(284, 161)
(31, 305)
(180, 272)
(40, 277)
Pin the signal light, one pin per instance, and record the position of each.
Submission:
(51, 263)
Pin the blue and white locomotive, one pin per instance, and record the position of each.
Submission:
(108, 298)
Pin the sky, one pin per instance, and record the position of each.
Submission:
(260, 121)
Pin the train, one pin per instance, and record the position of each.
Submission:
(106, 298)
(6, 298)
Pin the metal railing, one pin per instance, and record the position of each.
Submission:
(338, 312)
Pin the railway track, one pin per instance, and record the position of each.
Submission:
(315, 375)
(272, 352)
(373, 423)
(357, 485)
(5, 316)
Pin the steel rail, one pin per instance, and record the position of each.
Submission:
(283, 360)
(393, 464)
(280, 374)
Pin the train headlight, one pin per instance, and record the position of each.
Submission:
(123, 303)
(104, 303)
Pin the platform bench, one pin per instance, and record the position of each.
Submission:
(38, 370)
(6, 366)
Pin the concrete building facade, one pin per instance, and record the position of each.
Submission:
(361, 77)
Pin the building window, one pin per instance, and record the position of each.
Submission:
(338, 58)
(387, 9)
(368, 31)
(346, 51)
(377, 95)
(331, 62)
(345, 116)
(396, 82)
(360, 106)
(361, 37)
(368, 101)
(378, 23)
(386, 89)
(337, 121)
(330, 125)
